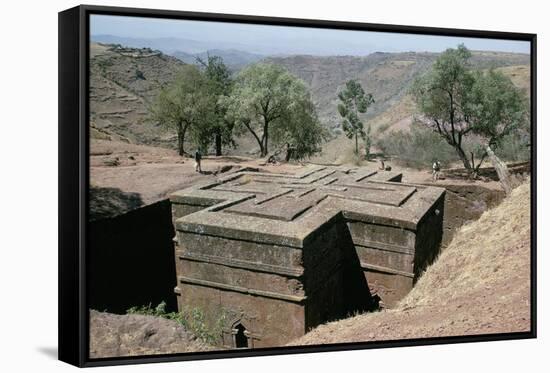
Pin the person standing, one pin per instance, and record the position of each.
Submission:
(198, 157)
(436, 168)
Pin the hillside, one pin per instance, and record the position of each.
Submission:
(520, 75)
(480, 284)
(399, 116)
(124, 81)
(386, 75)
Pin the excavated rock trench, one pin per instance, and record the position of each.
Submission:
(466, 203)
(132, 260)
(132, 264)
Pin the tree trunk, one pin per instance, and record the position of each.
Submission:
(266, 134)
(368, 143)
(181, 138)
(464, 158)
(356, 145)
(218, 140)
(289, 152)
(501, 169)
(260, 141)
(476, 168)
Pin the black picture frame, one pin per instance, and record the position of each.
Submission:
(74, 181)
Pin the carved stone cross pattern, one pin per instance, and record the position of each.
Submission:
(282, 253)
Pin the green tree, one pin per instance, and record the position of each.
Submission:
(497, 108)
(220, 85)
(354, 101)
(183, 105)
(455, 101)
(266, 97)
(300, 132)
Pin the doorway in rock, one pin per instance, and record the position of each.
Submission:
(241, 340)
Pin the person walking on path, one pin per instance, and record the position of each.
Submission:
(198, 157)
(436, 168)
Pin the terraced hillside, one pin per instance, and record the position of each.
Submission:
(123, 83)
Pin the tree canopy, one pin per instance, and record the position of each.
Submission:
(496, 106)
(184, 105)
(267, 98)
(454, 100)
(354, 101)
(220, 82)
(300, 131)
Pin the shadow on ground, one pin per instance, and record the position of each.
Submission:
(110, 202)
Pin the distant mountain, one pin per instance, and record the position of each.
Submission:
(168, 45)
(282, 44)
(234, 59)
(187, 50)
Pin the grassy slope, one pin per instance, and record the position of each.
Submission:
(520, 75)
(480, 284)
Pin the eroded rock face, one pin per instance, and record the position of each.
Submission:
(465, 204)
(274, 255)
(137, 335)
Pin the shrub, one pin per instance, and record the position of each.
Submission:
(383, 128)
(418, 147)
(192, 319)
(514, 148)
(337, 131)
(139, 75)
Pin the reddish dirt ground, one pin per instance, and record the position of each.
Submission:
(126, 176)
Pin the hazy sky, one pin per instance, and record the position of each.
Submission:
(288, 40)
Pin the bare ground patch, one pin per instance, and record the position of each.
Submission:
(136, 335)
(127, 176)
